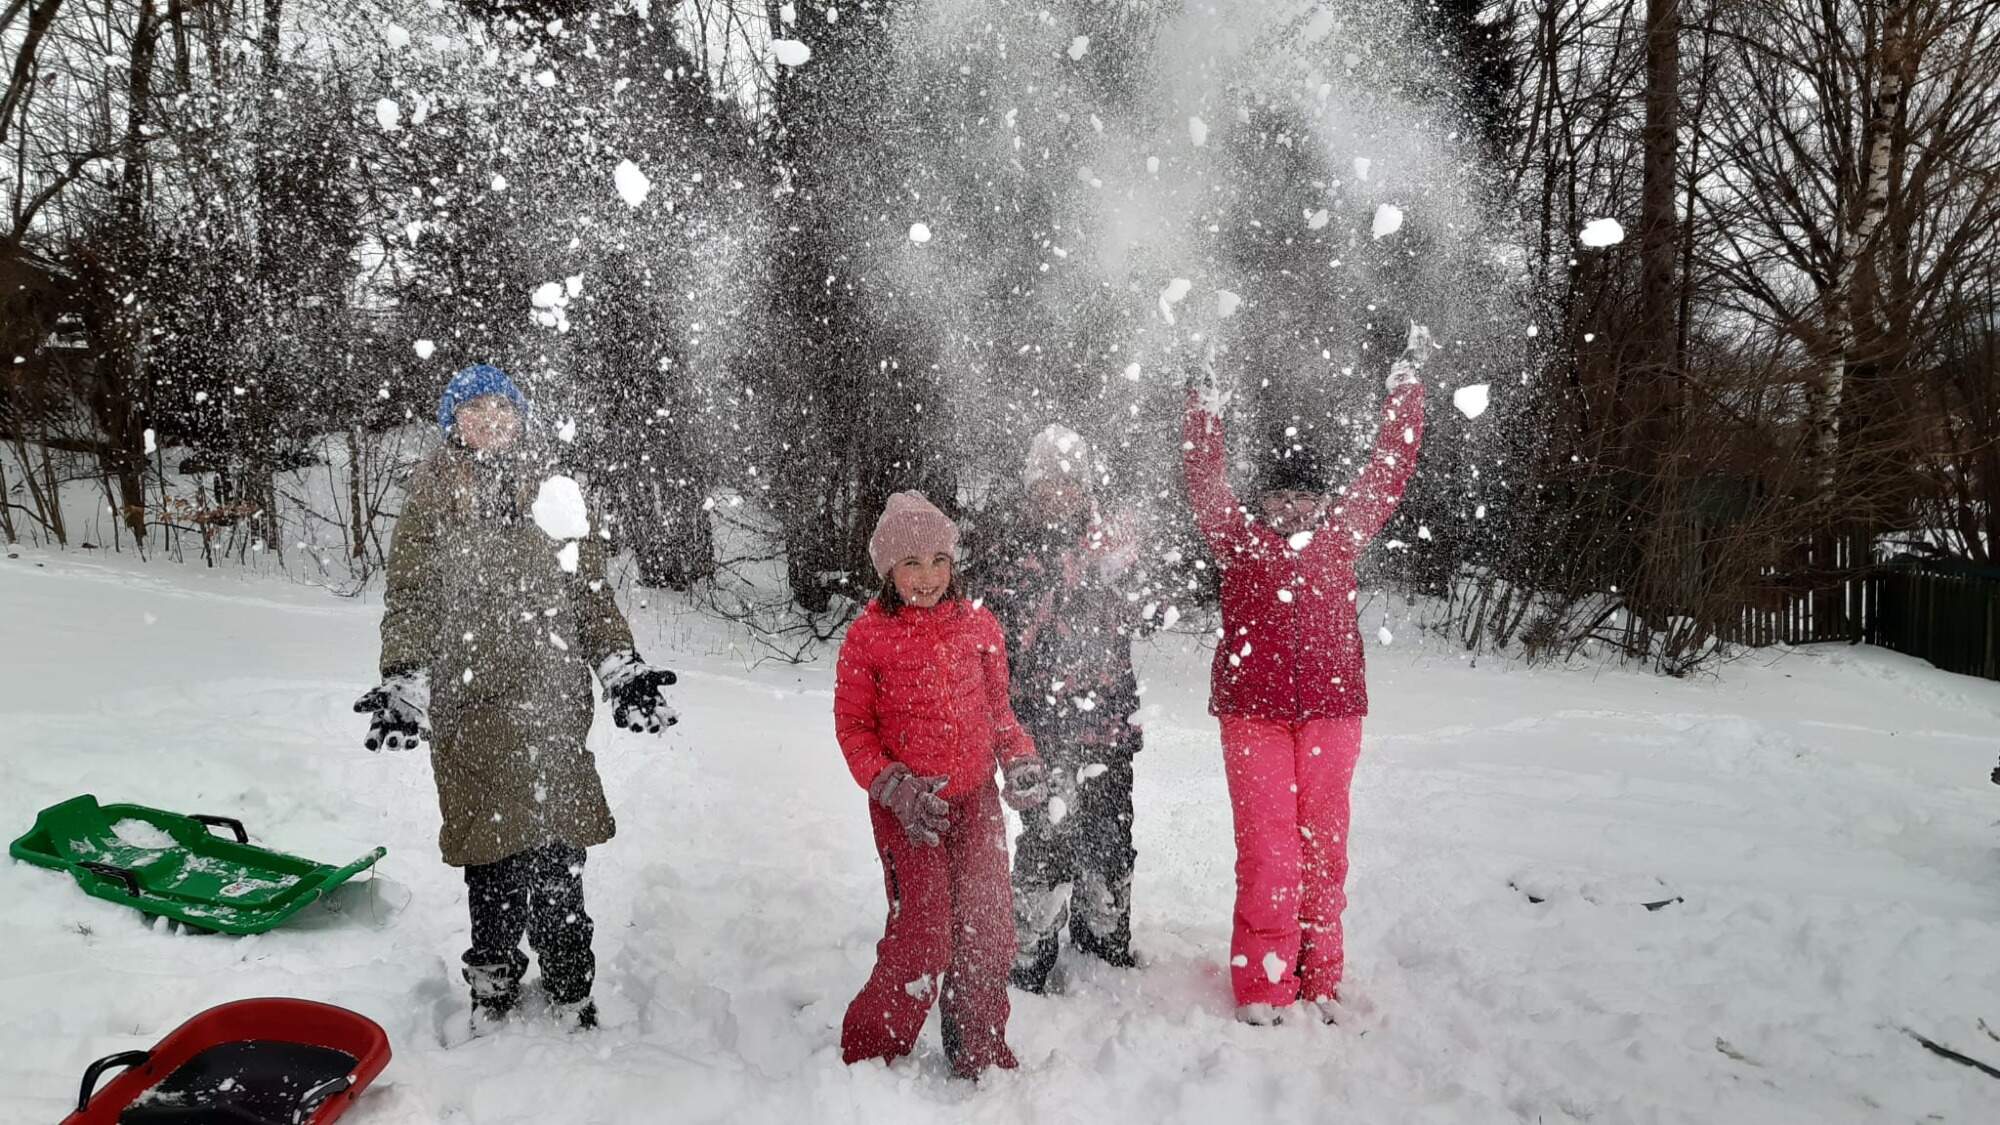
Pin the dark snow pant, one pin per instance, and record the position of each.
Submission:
(1076, 865)
(538, 892)
(948, 939)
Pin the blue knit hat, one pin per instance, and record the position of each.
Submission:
(477, 381)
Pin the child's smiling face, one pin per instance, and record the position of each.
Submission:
(921, 581)
(488, 424)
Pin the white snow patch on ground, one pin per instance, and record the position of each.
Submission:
(1823, 814)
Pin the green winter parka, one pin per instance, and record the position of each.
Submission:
(509, 623)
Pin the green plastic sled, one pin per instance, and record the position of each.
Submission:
(171, 864)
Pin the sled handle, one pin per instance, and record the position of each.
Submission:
(229, 822)
(123, 875)
(97, 1069)
(319, 1095)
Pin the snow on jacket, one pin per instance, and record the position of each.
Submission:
(1059, 592)
(927, 688)
(478, 596)
(1290, 648)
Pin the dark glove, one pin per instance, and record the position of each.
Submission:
(400, 705)
(633, 687)
(925, 816)
(1027, 784)
(1996, 775)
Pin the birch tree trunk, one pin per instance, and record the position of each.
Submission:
(1886, 70)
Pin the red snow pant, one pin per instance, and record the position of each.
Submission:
(1288, 791)
(951, 927)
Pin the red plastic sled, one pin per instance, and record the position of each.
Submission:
(269, 1061)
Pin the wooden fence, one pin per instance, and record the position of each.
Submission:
(1945, 612)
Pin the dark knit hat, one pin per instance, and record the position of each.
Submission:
(1291, 462)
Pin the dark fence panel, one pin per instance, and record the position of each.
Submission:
(1947, 613)
(1938, 610)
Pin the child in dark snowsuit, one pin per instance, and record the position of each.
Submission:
(1055, 577)
(490, 631)
(1288, 683)
(921, 712)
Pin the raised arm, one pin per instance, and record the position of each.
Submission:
(1362, 511)
(1216, 511)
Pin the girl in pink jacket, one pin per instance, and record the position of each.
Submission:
(920, 706)
(1288, 683)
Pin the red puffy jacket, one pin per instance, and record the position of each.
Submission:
(927, 688)
(1291, 647)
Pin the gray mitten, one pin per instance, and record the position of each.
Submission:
(1027, 784)
(925, 816)
(1416, 349)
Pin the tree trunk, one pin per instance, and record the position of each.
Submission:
(1886, 71)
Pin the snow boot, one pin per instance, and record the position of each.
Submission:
(1259, 1015)
(1034, 968)
(575, 1015)
(496, 992)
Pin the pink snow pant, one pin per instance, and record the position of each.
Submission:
(950, 936)
(1288, 786)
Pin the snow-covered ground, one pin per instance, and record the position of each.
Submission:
(1824, 815)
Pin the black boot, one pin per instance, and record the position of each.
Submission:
(496, 992)
(1034, 967)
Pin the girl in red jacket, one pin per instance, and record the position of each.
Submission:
(920, 706)
(1288, 684)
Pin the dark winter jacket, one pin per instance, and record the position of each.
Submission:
(1059, 593)
(927, 688)
(1291, 647)
(478, 596)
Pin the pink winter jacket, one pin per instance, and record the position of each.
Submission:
(1291, 647)
(927, 688)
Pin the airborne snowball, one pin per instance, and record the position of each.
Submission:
(424, 348)
(1601, 233)
(1388, 220)
(1473, 400)
(791, 52)
(632, 184)
(566, 557)
(1079, 47)
(547, 295)
(1316, 220)
(395, 37)
(388, 115)
(559, 510)
(1197, 131)
(920, 233)
(1226, 303)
